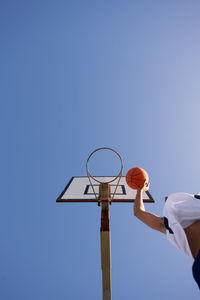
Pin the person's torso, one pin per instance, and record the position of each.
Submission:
(193, 236)
(182, 212)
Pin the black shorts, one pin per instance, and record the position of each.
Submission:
(196, 269)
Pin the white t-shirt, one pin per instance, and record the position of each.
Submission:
(181, 210)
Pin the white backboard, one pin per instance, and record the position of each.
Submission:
(79, 189)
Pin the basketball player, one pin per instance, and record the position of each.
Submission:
(181, 223)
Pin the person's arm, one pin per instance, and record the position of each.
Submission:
(147, 218)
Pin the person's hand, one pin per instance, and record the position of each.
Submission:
(144, 187)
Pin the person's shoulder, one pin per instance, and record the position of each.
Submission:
(179, 196)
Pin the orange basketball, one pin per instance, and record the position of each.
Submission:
(136, 177)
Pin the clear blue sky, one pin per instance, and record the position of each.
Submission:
(75, 76)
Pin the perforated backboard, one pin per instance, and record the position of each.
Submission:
(79, 189)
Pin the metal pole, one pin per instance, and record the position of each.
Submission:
(104, 194)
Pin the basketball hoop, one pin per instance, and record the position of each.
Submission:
(103, 182)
